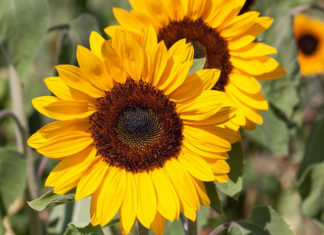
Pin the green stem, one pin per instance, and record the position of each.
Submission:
(192, 227)
(142, 230)
(8, 113)
(223, 227)
(189, 227)
(18, 106)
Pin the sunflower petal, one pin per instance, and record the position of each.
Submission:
(146, 209)
(112, 194)
(91, 180)
(196, 166)
(167, 199)
(74, 78)
(128, 209)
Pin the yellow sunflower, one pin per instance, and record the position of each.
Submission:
(309, 34)
(135, 131)
(218, 33)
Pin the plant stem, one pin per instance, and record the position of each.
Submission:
(18, 105)
(223, 227)
(189, 227)
(142, 230)
(8, 113)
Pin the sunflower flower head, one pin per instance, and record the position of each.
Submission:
(309, 34)
(135, 131)
(219, 34)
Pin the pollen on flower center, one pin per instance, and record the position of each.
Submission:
(206, 41)
(136, 127)
(307, 44)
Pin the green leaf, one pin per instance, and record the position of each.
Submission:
(215, 202)
(26, 26)
(88, 230)
(49, 200)
(311, 190)
(314, 147)
(198, 64)
(13, 173)
(273, 134)
(233, 187)
(263, 221)
(78, 33)
(81, 28)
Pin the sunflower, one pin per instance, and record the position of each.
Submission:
(135, 131)
(220, 35)
(309, 34)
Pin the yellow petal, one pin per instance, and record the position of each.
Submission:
(112, 194)
(219, 167)
(250, 113)
(74, 78)
(203, 152)
(245, 83)
(130, 53)
(221, 178)
(113, 63)
(146, 209)
(275, 74)
(202, 107)
(196, 166)
(223, 9)
(203, 197)
(260, 25)
(191, 88)
(128, 208)
(62, 91)
(240, 42)
(62, 109)
(66, 145)
(180, 55)
(96, 42)
(94, 69)
(91, 180)
(157, 64)
(182, 183)
(93, 207)
(196, 9)
(257, 101)
(55, 129)
(239, 24)
(67, 173)
(167, 199)
(204, 137)
(188, 211)
(254, 50)
(129, 21)
(249, 66)
(209, 77)
(158, 224)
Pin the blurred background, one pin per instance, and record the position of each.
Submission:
(283, 159)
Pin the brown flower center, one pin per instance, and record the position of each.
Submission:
(206, 41)
(136, 127)
(308, 44)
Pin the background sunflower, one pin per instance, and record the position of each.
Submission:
(219, 34)
(309, 33)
